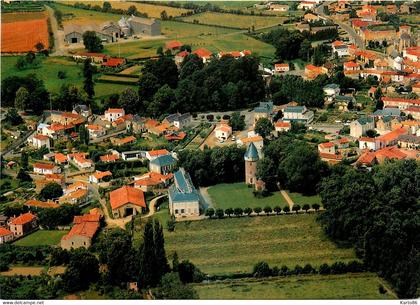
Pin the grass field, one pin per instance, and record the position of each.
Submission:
(150, 9)
(235, 245)
(363, 286)
(41, 238)
(82, 16)
(48, 70)
(302, 199)
(130, 80)
(237, 21)
(239, 195)
(13, 17)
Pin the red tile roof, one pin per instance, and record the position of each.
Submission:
(158, 152)
(87, 229)
(183, 54)
(327, 145)
(99, 175)
(60, 158)
(114, 62)
(282, 124)
(330, 156)
(174, 44)
(203, 53)
(351, 64)
(393, 135)
(86, 218)
(41, 204)
(5, 232)
(108, 158)
(23, 219)
(126, 194)
(114, 110)
(41, 137)
(44, 165)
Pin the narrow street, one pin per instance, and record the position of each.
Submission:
(346, 27)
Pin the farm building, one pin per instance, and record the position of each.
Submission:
(145, 26)
(74, 33)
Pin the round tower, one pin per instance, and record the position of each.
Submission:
(251, 158)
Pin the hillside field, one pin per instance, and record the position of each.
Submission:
(235, 245)
(150, 9)
(48, 69)
(238, 21)
(362, 286)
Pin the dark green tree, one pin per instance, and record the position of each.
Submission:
(92, 42)
(88, 83)
(51, 191)
(237, 121)
(171, 288)
(264, 127)
(83, 269)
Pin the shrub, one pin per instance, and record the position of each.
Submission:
(308, 269)
(257, 210)
(218, 117)
(277, 209)
(238, 212)
(316, 206)
(296, 208)
(248, 211)
(306, 207)
(171, 225)
(284, 270)
(220, 213)
(275, 271)
(61, 74)
(338, 268)
(298, 270)
(229, 211)
(210, 117)
(210, 212)
(286, 209)
(324, 269)
(268, 210)
(355, 266)
(226, 117)
(261, 269)
(381, 289)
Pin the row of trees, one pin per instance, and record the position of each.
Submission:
(238, 212)
(262, 269)
(378, 213)
(216, 165)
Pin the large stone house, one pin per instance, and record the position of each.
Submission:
(162, 164)
(298, 114)
(23, 224)
(184, 200)
(127, 201)
(360, 126)
(5, 235)
(82, 233)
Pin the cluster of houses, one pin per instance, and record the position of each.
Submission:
(111, 31)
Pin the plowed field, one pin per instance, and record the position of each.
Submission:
(21, 34)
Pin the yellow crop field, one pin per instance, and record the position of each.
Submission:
(150, 9)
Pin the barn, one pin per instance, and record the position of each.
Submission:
(144, 26)
(74, 33)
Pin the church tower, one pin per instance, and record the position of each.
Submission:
(251, 158)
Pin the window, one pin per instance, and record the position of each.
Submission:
(176, 211)
(84, 243)
(72, 243)
(182, 211)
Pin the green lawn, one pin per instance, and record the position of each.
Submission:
(48, 69)
(302, 199)
(362, 286)
(237, 21)
(239, 195)
(235, 245)
(41, 238)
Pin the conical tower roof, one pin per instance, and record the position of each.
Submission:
(251, 153)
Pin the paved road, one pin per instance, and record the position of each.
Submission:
(352, 33)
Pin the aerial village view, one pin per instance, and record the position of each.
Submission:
(212, 150)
